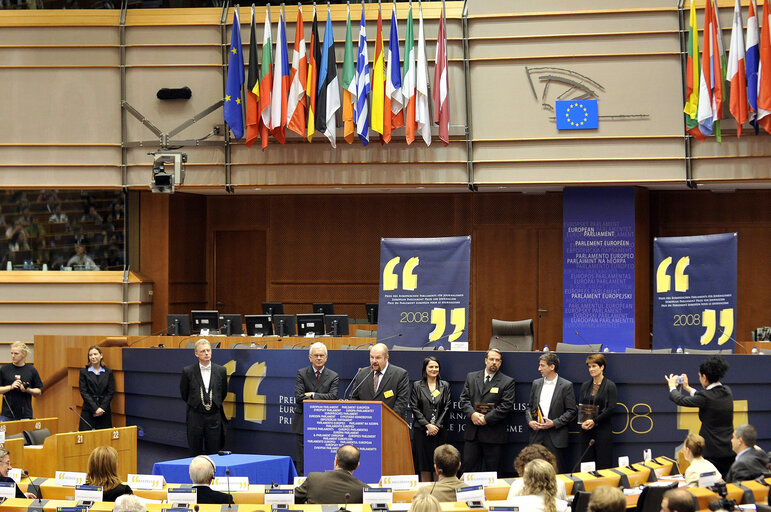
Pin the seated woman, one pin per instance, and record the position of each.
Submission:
(693, 451)
(533, 452)
(103, 471)
(540, 491)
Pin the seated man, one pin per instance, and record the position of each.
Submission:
(332, 486)
(129, 503)
(202, 473)
(607, 499)
(750, 462)
(677, 500)
(5, 467)
(446, 464)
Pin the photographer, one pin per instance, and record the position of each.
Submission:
(19, 382)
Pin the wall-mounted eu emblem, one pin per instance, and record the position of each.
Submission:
(577, 114)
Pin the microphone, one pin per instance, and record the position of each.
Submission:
(148, 336)
(38, 493)
(302, 340)
(431, 492)
(736, 343)
(591, 443)
(441, 337)
(582, 338)
(273, 484)
(82, 418)
(344, 508)
(179, 345)
(387, 338)
(196, 508)
(227, 477)
(371, 371)
(352, 381)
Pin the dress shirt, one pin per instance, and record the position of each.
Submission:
(547, 392)
(382, 372)
(96, 372)
(205, 375)
(713, 385)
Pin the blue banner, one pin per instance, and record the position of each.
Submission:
(424, 291)
(577, 114)
(598, 267)
(695, 291)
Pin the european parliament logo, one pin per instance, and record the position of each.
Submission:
(577, 115)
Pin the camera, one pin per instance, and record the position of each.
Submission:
(679, 380)
(722, 503)
(168, 171)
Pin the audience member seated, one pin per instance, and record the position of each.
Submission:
(533, 452)
(129, 503)
(81, 259)
(677, 500)
(425, 503)
(201, 471)
(540, 489)
(693, 449)
(103, 471)
(750, 461)
(446, 465)
(5, 467)
(333, 486)
(58, 216)
(607, 499)
(92, 216)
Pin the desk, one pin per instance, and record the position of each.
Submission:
(19, 426)
(261, 469)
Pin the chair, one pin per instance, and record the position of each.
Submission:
(364, 333)
(708, 351)
(589, 347)
(34, 437)
(651, 496)
(191, 344)
(580, 501)
(632, 350)
(516, 336)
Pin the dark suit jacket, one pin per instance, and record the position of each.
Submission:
(325, 389)
(330, 487)
(749, 466)
(191, 384)
(97, 390)
(499, 391)
(115, 492)
(716, 411)
(562, 410)
(205, 494)
(395, 383)
(422, 406)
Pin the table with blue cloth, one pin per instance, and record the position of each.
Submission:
(261, 469)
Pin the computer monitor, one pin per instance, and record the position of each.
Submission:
(231, 324)
(272, 308)
(284, 325)
(310, 323)
(178, 325)
(325, 308)
(371, 308)
(258, 325)
(205, 319)
(336, 325)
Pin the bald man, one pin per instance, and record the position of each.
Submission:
(384, 382)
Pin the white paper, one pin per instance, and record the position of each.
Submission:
(145, 482)
(298, 480)
(2, 436)
(459, 346)
(471, 493)
(623, 462)
(88, 493)
(399, 482)
(485, 478)
(70, 478)
(586, 467)
(181, 495)
(7, 490)
(647, 455)
(378, 495)
(15, 473)
(237, 484)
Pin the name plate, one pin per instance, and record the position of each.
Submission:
(69, 478)
(400, 482)
(298, 480)
(279, 496)
(15, 473)
(378, 495)
(503, 508)
(181, 495)
(237, 484)
(708, 479)
(146, 482)
(484, 478)
(2, 437)
(72, 509)
(7, 490)
(88, 493)
(470, 493)
(588, 467)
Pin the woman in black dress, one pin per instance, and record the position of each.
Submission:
(430, 400)
(103, 471)
(97, 386)
(597, 398)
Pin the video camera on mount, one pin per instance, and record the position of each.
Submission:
(168, 171)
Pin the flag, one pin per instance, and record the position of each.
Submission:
(692, 78)
(752, 60)
(408, 81)
(295, 109)
(253, 89)
(393, 86)
(378, 80)
(328, 100)
(764, 72)
(736, 72)
(711, 82)
(234, 107)
(441, 84)
(279, 96)
(349, 83)
(361, 109)
(313, 75)
(422, 114)
(576, 114)
(266, 76)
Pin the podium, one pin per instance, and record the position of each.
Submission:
(381, 435)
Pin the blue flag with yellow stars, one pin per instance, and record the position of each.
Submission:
(234, 105)
(577, 115)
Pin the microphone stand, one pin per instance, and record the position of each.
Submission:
(371, 371)
(227, 477)
(352, 381)
(591, 443)
(81, 418)
(440, 338)
(38, 493)
(344, 508)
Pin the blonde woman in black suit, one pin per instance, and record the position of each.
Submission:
(430, 400)
(97, 387)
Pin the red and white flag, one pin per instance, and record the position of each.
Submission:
(295, 110)
(441, 84)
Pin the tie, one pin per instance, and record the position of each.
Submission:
(487, 379)
(318, 375)
(376, 380)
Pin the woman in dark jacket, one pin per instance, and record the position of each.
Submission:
(597, 401)
(97, 386)
(430, 400)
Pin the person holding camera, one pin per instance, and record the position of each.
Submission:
(19, 382)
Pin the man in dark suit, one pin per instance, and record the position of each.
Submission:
(385, 382)
(314, 382)
(750, 462)
(447, 465)
(203, 387)
(486, 400)
(552, 408)
(332, 486)
(201, 474)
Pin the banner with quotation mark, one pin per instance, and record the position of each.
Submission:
(424, 291)
(695, 291)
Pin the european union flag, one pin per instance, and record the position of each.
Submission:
(234, 105)
(577, 115)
